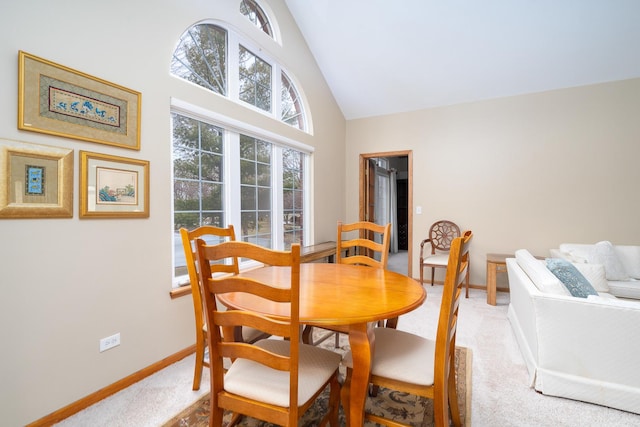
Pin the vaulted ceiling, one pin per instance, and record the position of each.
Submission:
(387, 56)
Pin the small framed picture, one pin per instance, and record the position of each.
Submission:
(113, 187)
(37, 181)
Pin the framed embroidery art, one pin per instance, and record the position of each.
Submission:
(58, 100)
(36, 181)
(113, 187)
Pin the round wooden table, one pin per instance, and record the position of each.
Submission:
(345, 297)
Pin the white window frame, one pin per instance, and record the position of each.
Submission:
(232, 129)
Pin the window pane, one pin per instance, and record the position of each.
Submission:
(186, 196)
(293, 197)
(211, 167)
(247, 198)
(255, 80)
(264, 199)
(201, 57)
(211, 138)
(247, 172)
(211, 196)
(263, 151)
(291, 106)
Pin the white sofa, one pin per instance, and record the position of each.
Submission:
(620, 262)
(586, 349)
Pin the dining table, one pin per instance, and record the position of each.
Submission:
(348, 298)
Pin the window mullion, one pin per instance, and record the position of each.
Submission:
(233, 65)
(277, 211)
(276, 93)
(232, 177)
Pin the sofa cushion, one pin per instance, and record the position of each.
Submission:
(625, 289)
(603, 253)
(569, 275)
(595, 274)
(576, 252)
(539, 274)
(629, 257)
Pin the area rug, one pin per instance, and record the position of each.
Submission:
(402, 407)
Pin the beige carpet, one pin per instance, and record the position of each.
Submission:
(406, 408)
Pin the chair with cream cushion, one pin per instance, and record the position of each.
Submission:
(275, 380)
(441, 234)
(359, 243)
(211, 234)
(412, 364)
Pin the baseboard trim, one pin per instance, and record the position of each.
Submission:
(107, 391)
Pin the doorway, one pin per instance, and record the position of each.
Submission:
(373, 167)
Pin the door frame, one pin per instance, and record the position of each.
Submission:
(362, 187)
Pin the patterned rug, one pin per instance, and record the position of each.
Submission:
(402, 407)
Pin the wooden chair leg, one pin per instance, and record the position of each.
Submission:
(197, 372)
(433, 274)
(453, 397)
(331, 417)
(345, 391)
(421, 274)
(467, 284)
(306, 334)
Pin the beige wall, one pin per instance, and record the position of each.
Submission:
(66, 283)
(529, 171)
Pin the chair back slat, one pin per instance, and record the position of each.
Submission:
(363, 249)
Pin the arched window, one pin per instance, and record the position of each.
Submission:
(202, 57)
(292, 112)
(255, 14)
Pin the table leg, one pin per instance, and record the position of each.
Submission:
(361, 340)
(491, 283)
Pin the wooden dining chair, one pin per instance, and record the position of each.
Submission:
(441, 234)
(212, 235)
(359, 243)
(275, 380)
(412, 364)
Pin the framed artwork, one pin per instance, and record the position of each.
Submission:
(113, 187)
(36, 181)
(58, 100)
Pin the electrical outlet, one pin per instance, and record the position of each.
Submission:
(109, 342)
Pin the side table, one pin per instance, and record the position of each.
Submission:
(495, 263)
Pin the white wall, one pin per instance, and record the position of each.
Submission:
(529, 171)
(66, 283)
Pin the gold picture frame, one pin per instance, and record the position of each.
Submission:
(113, 186)
(61, 101)
(36, 181)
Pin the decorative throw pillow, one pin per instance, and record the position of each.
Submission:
(629, 257)
(603, 253)
(569, 275)
(541, 277)
(595, 274)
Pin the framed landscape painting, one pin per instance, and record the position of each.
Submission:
(58, 100)
(113, 187)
